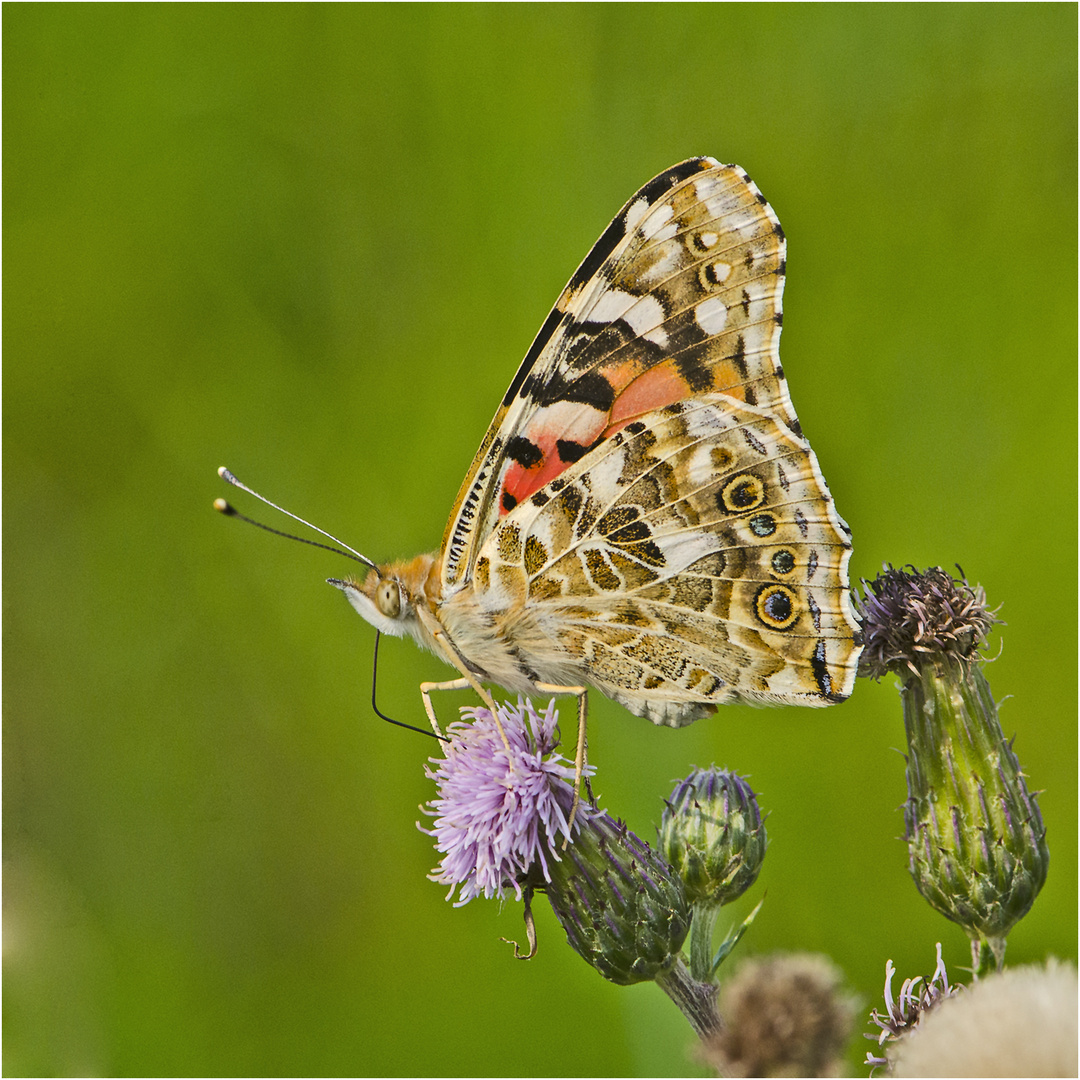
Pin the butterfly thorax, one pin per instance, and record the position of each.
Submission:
(406, 598)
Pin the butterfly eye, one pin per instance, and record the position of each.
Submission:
(388, 599)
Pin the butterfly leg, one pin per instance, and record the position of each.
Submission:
(435, 628)
(425, 692)
(582, 750)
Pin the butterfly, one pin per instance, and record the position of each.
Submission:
(644, 515)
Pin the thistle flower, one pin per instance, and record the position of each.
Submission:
(976, 841)
(502, 822)
(916, 998)
(783, 1016)
(910, 617)
(501, 817)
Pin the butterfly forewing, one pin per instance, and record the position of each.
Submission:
(679, 297)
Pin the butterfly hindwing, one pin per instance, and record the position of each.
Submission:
(695, 558)
(680, 296)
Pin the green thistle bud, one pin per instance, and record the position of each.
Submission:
(976, 840)
(621, 907)
(713, 836)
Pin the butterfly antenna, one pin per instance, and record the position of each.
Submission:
(229, 510)
(382, 715)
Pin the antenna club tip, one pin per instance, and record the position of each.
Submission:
(222, 507)
(222, 471)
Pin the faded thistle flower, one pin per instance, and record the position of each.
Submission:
(911, 617)
(783, 1016)
(501, 817)
(901, 1016)
(976, 841)
(1018, 1022)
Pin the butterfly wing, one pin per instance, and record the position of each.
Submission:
(694, 558)
(680, 296)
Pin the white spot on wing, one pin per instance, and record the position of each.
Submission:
(659, 225)
(685, 548)
(705, 422)
(708, 239)
(711, 315)
(665, 261)
(701, 470)
(605, 473)
(643, 314)
(721, 270)
(634, 213)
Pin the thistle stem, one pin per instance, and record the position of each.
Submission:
(987, 955)
(702, 924)
(696, 1000)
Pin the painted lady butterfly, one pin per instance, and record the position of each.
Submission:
(644, 515)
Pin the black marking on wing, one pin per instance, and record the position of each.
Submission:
(753, 441)
(608, 340)
(570, 451)
(820, 668)
(588, 389)
(535, 349)
(738, 357)
(524, 451)
(693, 371)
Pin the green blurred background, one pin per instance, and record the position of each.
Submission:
(312, 243)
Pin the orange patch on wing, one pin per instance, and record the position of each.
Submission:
(664, 385)
(520, 482)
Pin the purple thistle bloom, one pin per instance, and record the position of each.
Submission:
(499, 816)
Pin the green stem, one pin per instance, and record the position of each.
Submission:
(987, 955)
(702, 924)
(696, 1000)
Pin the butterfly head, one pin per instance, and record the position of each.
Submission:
(389, 595)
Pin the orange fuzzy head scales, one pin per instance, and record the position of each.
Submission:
(390, 594)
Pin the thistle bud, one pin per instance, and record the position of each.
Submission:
(621, 907)
(976, 840)
(713, 836)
